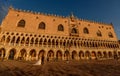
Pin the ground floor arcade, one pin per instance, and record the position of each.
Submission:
(55, 54)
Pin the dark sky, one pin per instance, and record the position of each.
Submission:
(106, 11)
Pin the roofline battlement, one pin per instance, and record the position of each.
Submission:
(37, 13)
(55, 15)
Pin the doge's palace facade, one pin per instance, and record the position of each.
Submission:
(27, 35)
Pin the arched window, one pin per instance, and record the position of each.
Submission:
(99, 33)
(41, 25)
(3, 39)
(60, 27)
(21, 23)
(86, 31)
(74, 30)
(110, 35)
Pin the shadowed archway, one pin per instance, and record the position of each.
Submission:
(50, 55)
(12, 53)
(41, 54)
(32, 54)
(59, 55)
(74, 55)
(22, 54)
(99, 54)
(81, 54)
(66, 55)
(104, 54)
(2, 53)
(87, 55)
(110, 55)
(93, 55)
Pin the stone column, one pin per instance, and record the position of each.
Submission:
(77, 58)
(37, 55)
(27, 57)
(70, 56)
(33, 43)
(7, 55)
(63, 57)
(42, 44)
(9, 42)
(2, 53)
(54, 56)
(16, 55)
(45, 55)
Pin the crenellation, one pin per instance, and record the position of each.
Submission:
(93, 21)
(38, 13)
(28, 11)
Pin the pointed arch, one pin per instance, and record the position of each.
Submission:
(36, 41)
(87, 55)
(110, 35)
(3, 38)
(21, 23)
(12, 53)
(41, 41)
(42, 25)
(74, 30)
(99, 54)
(18, 40)
(68, 43)
(32, 41)
(57, 42)
(59, 55)
(22, 54)
(81, 54)
(13, 40)
(2, 53)
(85, 31)
(8, 39)
(32, 54)
(49, 42)
(23, 40)
(64, 43)
(66, 55)
(50, 55)
(27, 41)
(45, 41)
(60, 42)
(41, 54)
(93, 55)
(75, 43)
(105, 54)
(74, 55)
(71, 43)
(110, 54)
(99, 33)
(53, 42)
(60, 27)
(118, 53)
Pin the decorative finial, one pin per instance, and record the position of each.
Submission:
(111, 23)
(11, 7)
(72, 16)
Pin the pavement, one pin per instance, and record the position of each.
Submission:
(61, 68)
